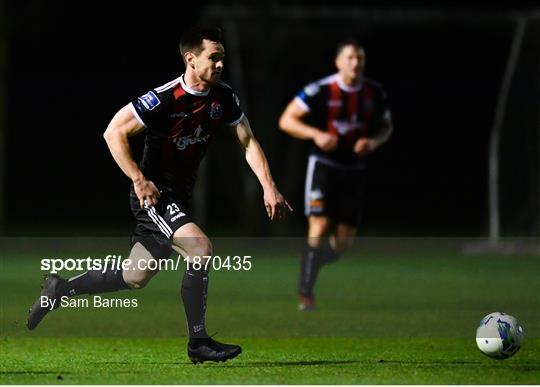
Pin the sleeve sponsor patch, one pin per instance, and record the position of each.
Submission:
(311, 89)
(150, 100)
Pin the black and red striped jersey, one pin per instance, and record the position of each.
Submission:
(350, 112)
(180, 123)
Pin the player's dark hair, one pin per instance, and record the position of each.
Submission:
(192, 40)
(347, 42)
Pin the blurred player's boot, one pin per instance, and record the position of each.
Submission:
(211, 350)
(52, 289)
(306, 303)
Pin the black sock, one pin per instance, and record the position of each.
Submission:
(94, 281)
(309, 269)
(327, 254)
(194, 293)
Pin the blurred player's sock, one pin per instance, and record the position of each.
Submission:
(326, 254)
(309, 269)
(313, 258)
(95, 281)
(194, 293)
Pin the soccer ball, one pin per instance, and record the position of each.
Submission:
(499, 335)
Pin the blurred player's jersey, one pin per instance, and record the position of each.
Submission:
(349, 112)
(180, 123)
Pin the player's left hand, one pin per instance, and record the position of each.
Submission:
(364, 146)
(275, 204)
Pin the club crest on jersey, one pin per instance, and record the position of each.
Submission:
(216, 112)
(150, 100)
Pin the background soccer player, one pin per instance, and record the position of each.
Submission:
(346, 117)
(179, 120)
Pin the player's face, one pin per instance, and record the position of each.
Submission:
(209, 63)
(350, 62)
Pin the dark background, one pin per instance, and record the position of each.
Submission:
(71, 66)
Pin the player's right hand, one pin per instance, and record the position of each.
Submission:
(326, 141)
(147, 192)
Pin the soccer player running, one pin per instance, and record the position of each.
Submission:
(179, 120)
(346, 117)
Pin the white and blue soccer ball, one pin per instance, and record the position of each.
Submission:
(499, 335)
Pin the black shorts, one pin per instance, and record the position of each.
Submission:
(157, 224)
(334, 191)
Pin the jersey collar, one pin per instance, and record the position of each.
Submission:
(350, 89)
(190, 90)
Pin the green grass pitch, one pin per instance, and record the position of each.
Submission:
(383, 317)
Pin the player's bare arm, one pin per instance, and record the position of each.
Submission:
(275, 204)
(291, 122)
(122, 126)
(366, 145)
